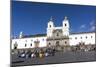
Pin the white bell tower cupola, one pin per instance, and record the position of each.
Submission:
(50, 27)
(66, 26)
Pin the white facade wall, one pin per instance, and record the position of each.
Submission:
(21, 42)
(43, 43)
(82, 38)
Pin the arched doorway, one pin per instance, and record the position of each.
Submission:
(36, 43)
(58, 47)
(57, 44)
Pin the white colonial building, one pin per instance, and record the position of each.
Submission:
(55, 36)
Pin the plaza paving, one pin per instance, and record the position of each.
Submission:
(60, 57)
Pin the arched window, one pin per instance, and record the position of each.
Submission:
(43, 39)
(50, 26)
(49, 43)
(65, 42)
(75, 37)
(31, 44)
(65, 24)
(86, 37)
(91, 36)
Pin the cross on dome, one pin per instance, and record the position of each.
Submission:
(65, 18)
(51, 18)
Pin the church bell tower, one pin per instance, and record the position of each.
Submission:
(65, 26)
(50, 27)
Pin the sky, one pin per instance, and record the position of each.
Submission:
(32, 17)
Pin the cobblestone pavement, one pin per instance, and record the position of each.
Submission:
(60, 57)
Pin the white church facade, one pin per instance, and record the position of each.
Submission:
(55, 36)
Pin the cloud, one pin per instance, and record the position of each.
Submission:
(88, 27)
(82, 26)
(92, 25)
(92, 28)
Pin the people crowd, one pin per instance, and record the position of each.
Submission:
(37, 53)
